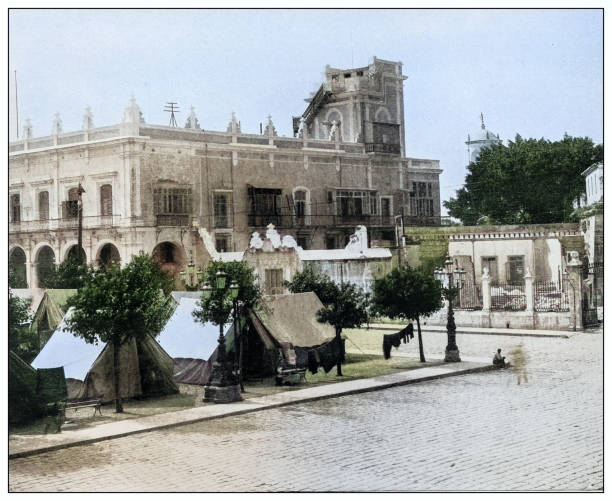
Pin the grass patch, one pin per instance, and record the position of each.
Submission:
(359, 366)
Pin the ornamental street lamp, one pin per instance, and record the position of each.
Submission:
(453, 279)
(222, 386)
(191, 275)
(234, 293)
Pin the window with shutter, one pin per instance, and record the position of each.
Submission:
(106, 200)
(43, 205)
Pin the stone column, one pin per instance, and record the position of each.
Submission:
(529, 291)
(30, 274)
(486, 291)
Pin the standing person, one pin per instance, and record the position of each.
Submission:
(519, 363)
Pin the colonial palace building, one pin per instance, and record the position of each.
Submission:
(184, 194)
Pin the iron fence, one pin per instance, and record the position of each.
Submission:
(469, 297)
(508, 297)
(550, 296)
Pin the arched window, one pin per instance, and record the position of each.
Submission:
(43, 205)
(106, 200)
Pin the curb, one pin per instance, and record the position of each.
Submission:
(382, 386)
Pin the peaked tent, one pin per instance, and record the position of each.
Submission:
(49, 313)
(189, 342)
(145, 368)
(286, 318)
(30, 389)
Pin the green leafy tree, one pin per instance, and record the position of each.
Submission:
(72, 273)
(17, 277)
(116, 305)
(344, 305)
(526, 182)
(21, 339)
(409, 294)
(218, 306)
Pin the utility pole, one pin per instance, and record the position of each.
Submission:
(16, 107)
(399, 238)
(80, 251)
(171, 107)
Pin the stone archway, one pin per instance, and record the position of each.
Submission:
(45, 267)
(73, 253)
(17, 269)
(108, 255)
(171, 257)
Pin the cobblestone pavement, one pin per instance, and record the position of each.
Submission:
(473, 432)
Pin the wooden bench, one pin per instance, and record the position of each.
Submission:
(78, 404)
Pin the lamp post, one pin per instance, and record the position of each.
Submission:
(222, 386)
(453, 278)
(234, 292)
(191, 275)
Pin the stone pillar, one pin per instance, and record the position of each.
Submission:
(30, 274)
(486, 291)
(574, 278)
(529, 291)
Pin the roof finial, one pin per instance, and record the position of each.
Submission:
(482, 126)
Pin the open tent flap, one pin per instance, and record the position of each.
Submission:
(289, 319)
(156, 368)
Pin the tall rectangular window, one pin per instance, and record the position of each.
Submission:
(299, 199)
(15, 209)
(515, 270)
(352, 203)
(106, 200)
(43, 205)
(172, 200)
(221, 210)
(264, 206)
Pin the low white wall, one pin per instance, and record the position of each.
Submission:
(506, 319)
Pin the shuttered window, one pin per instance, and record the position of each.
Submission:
(106, 200)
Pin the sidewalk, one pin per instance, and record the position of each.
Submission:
(481, 330)
(22, 446)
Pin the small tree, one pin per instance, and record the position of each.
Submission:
(21, 340)
(218, 306)
(408, 294)
(116, 305)
(344, 305)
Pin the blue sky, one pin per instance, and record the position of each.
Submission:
(538, 73)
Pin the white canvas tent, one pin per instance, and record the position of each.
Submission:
(145, 368)
(189, 342)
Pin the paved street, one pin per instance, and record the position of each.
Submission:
(473, 432)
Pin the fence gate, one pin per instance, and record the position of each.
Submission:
(589, 316)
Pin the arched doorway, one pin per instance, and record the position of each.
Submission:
(73, 253)
(108, 255)
(45, 267)
(17, 269)
(170, 257)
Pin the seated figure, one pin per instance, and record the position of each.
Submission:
(498, 360)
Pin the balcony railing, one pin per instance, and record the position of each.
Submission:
(393, 149)
(68, 223)
(173, 220)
